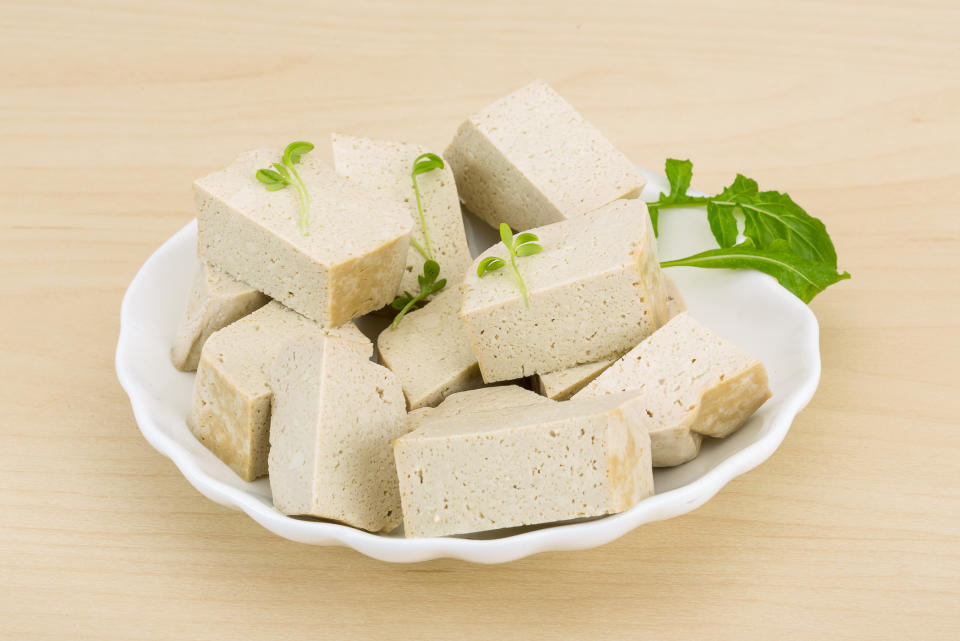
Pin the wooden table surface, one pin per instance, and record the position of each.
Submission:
(108, 111)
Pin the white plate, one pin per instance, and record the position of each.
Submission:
(746, 307)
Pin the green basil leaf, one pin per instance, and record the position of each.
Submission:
(804, 278)
(282, 170)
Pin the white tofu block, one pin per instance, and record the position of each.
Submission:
(230, 410)
(562, 384)
(430, 352)
(216, 300)
(689, 382)
(595, 291)
(500, 396)
(504, 467)
(351, 261)
(385, 167)
(334, 419)
(529, 159)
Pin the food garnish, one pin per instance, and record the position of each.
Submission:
(284, 174)
(780, 238)
(525, 244)
(428, 285)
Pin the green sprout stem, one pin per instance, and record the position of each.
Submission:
(525, 244)
(284, 174)
(519, 279)
(428, 254)
(419, 248)
(304, 200)
(410, 305)
(692, 202)
(428, 285)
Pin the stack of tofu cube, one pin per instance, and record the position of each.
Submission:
(481, 410)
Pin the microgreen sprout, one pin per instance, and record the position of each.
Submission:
(284, 174)
(428, 285)
(421, 165)
(524, 244)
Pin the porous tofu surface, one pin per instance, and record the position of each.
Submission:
(216, 299)
(595, 291)
(384, 167)
(687, 379)
(230, 409)
(530, 159)
(562, 384)
(430, 352)
(334, 419)
(348, 264)
(484, 469)
(501, 396)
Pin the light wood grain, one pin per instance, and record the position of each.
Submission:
(108, 110)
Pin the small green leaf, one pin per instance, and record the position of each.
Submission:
(437, 286)
(741, 187)
(270, 177)
(770, 215)
(529, 249)
(427, 286)
(804, 278)
(679, 173)
(506, 235)
(285, 174)
(400, 301)
(282, 170)
(293, 152)
(723, 224)
(426, 162)
(490, 264)
(431, 269)
(525, 237)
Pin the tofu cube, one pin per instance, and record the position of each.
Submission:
(334, 419)
(216, 300)
(503, 467)
(430, 352)
(529, 159)
(502, 396)
(564, 383)
(385, 167)
(348, 264)
(230, 409)
(689, 383)
(595, 291)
